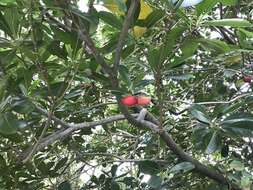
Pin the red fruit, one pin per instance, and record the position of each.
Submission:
(143, 100)
(247, 79)
(129, 100)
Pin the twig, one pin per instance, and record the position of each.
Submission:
(43, 142)
(99, 154)
(33, 150)
(142, 114)
(124, 32)
(83, 35)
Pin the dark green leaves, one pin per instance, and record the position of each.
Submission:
(182, 167)
(214, 143)
(4, 26)
(234, 22)
(215, 45)
(239, 121)
(64, 186)
(199, 113)
(110, 19)
(158, 55)
(188, 48)
(155, 182)
(9, 123)
(149, 167)
(206, 6)
(8, 2)
(60, 164)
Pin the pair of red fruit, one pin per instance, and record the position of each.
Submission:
(136, 100)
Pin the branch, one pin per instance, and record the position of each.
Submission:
(142, 114)
(33, 150)
(62, 133)
(154, 126)
(226, 102)
(124, 31)
(84, 37)
(209, 103)
(199, 167)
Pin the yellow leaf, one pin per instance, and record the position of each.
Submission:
(145, 10)
(139, 31)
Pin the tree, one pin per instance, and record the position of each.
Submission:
(64, 72)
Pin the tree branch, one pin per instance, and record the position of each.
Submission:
(124, 32)
(69, 129)
(84, 37)
(154, 125)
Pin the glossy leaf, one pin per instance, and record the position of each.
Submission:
(235, 22)
(110, 19)
(182, 167)
(9, 123)
(149, 167)
(64, 186)
(155, 182)
(199, 114)
(243, 121)
(214, 143)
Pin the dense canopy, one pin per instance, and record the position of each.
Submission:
(66, 66)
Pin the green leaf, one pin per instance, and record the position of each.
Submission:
(206, 6)
(4, 25)
(128, 180)
(110, 19)
(217, 45)
(242, 120)
(3, 164)
(8, 2)
(171, 38)
(54, 48)
(233, 22)
(200, 131)
(114, 170)
(237, 165)
(155, 182)
(7, 56)
(41, 166)
(198, 112)
(127, 51)
(122, 6)
(229, 2)
(157, 56)
(153, 18)
(115, 186)
(12, 17)
(153, 57)
(182, 167)
(149, 167)
(66, 37)
(60, 164)
(23, 106)
(188, 48)
(64, 186)
(249, 34)
(124, 74)
(213, 144)
(4, 103)
(9, 123)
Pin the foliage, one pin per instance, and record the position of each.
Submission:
(190, 60)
